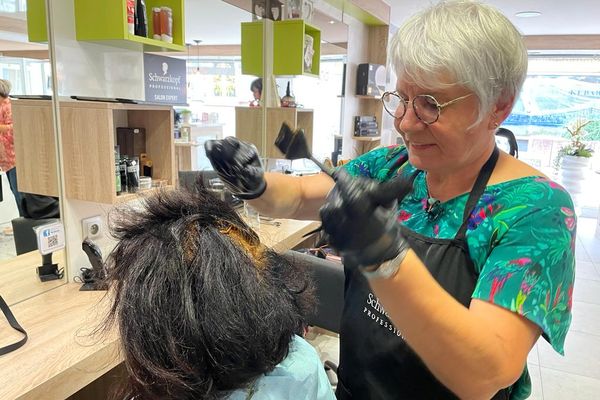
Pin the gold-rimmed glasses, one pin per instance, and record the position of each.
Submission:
(425, 106)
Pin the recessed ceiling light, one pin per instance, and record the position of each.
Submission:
(332, 22)
(528, 14)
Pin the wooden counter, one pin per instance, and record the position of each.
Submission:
(19, 279)
(62, 354)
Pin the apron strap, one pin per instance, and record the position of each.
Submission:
(15, 325)
(477, 191)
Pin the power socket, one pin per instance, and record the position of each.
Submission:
(92, 227)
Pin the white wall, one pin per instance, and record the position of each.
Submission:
(357, 53)
(93, 69)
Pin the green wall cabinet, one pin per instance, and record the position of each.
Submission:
(252, 48)
(106, 20)
(288, 48)
(36, 21)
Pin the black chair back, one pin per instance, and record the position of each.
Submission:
(329, 285)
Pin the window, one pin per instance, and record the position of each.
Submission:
(556, 92)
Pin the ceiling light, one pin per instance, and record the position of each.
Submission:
(528, 14)
(332, 22)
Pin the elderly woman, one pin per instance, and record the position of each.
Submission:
(447, 291)
(204, 310)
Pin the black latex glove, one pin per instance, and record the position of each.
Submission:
(238, 165)
(360, 219)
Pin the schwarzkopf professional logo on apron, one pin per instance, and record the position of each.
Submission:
(374, 311)
(165, 79)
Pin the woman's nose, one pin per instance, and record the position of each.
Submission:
(410, 122)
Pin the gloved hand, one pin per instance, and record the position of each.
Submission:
(360, 220)
(238, 165)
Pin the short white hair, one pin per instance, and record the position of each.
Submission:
(472, 43)
(5, 87)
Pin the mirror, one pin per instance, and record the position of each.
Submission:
(30, 157)
(216, 84)
(313, 101)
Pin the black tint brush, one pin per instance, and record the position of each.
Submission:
(294, 146)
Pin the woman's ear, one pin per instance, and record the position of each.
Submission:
(500, 111)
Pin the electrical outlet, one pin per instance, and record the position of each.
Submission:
(92, 227)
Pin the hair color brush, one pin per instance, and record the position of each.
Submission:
(294, 146)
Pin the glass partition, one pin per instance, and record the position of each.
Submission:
(27, 158)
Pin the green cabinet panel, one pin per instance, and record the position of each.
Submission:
(36, 21)
(252, 48)
(288, 48)
(106, 20)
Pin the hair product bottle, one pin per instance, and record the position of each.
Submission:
(141, 26)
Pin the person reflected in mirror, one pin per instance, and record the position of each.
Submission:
(256, 87)
(7, 142)
(449, 287)
(204, 309)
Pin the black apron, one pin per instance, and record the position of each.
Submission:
(375, 361)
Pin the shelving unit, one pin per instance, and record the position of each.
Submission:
(377, 54)
(248, 122)
(288, 48)
(106, 21)
(34, 146)
(89, 158)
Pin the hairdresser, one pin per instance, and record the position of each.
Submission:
(448, 289)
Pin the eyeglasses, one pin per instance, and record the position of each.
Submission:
(426, 107)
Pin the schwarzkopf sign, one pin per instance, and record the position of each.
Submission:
(165, 79)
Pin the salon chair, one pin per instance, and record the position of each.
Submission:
(37, 210)
(513, 147)
(329, 291)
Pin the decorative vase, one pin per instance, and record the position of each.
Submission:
(573, 170)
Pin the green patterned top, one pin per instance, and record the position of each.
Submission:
(521, 237)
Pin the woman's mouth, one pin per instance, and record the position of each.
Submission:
(421, 146)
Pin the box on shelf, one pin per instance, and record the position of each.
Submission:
(370, 80)
(365, 125)
(132, 141)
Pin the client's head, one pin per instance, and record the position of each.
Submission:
(202, 307)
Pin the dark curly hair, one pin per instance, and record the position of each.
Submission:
(202, 307)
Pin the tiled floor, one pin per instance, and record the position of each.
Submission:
(576, 376)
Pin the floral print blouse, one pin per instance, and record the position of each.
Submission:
(521, 237)
(7, 146)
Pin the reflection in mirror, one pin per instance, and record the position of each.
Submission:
(216, 85)
(30, 188)
(312, 101)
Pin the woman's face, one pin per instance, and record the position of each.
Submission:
(256, 93)
(450, 142)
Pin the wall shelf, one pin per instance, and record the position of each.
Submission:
(124, 198)
(106, 21)
(367, 138)
(288, 48)
(248, 122)
(363, 96)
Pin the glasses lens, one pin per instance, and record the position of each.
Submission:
(393, 105)
(426, 108)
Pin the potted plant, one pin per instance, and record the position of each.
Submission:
(574, 158)
(186, 116)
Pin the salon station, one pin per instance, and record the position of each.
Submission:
(150, 143)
